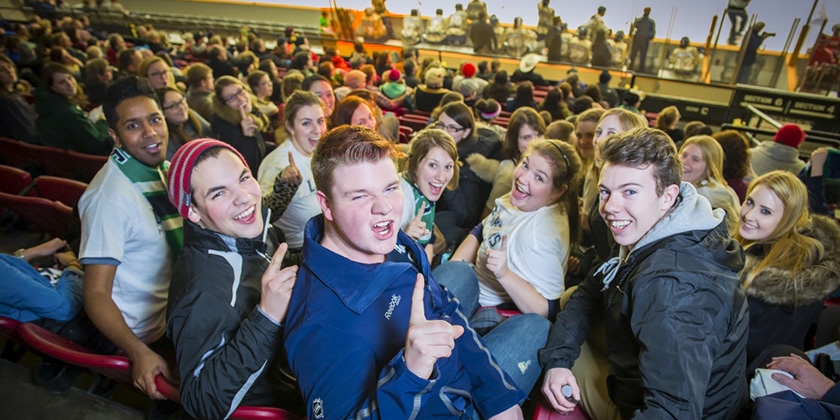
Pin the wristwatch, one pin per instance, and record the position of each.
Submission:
(19, 253)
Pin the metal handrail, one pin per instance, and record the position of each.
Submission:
(764, 117)
(755, 130)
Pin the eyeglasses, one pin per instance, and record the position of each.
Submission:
(238, 94)
(448, 128)
(159, 73)
(176, 104)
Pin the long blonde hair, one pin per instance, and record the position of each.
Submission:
(712, 154)
(789, 248)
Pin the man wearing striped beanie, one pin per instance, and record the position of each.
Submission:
(228, 295)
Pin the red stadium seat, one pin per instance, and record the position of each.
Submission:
(13, 180)
(15, 153)
(414, 122)
(86, 165)
(545, 412)
(42, 160)
(57, 347)
(8, 328)
(64, 190)
(418, 112)
(171, 391)
(15, 347)
(48, 216)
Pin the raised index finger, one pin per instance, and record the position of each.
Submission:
(277, 259)
(292, 160)
(421, 211)
(418, 308)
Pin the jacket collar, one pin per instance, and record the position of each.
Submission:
(197, 237)
(356, 284)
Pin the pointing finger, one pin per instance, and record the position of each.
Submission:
(292, 160)
(418, 308)
(277, 258)
(420, 211)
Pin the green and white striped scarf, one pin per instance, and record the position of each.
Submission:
(151, 182)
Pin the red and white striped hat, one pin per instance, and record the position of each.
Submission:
(181, 169)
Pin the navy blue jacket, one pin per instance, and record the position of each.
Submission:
(345, 333)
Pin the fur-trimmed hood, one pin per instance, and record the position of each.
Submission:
(814, 283)
(233, 116)
(484, 167)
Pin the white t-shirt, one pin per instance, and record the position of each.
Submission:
(120, 228)
(304, 204)
(537, 250)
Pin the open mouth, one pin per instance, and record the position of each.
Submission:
(153, 148)
(384, 229)
(435, 188)
(519, 192)
(618, 225)
(247, 216)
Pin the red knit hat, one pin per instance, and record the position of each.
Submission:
(393, 75)
(790, 135)
(181, 169)
(468, 70)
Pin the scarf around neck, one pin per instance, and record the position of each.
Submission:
(151, 183)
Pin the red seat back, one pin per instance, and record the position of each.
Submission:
(8, 329)
(414, 122)
(545, 412)
(64, 190)
(13, 180)
(50, 160)
(86, 166)
(48, 216)
(55, 346)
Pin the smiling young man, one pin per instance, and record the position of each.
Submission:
(675, 316)
(366, 335)
(131, 233)
(226, 299)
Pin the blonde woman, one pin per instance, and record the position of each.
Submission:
(702, 159)
(792, 261)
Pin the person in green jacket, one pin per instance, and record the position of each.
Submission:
(61, 122)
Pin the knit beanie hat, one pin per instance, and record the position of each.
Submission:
(181, 169)
(434, 77)
(790, 135)
(392, 90)
(468, 70)
(394, 75)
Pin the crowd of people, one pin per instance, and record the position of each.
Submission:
(266, 233)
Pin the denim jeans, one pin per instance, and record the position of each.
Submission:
(733, 15)
(515, 342)
(26, 296)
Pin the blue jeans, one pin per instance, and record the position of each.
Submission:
(26, 296)
(733, 15)
(515, 342)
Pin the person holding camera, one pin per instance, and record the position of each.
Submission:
(756, 38)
